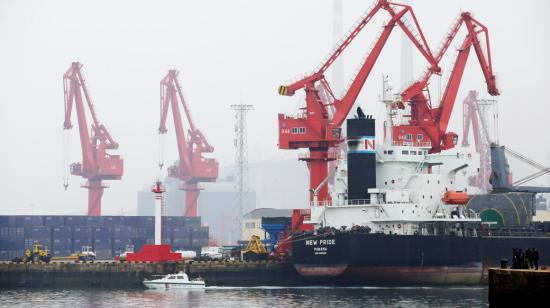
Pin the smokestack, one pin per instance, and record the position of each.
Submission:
(158, 189)
(361, 156)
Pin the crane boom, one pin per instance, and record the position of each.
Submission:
(318, 127)
(465, 18)
(433, 122)
(192, 167)
(97, 165)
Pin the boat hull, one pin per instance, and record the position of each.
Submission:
(160, 285)
(379, 259)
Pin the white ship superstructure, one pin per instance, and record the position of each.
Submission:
(410, 188)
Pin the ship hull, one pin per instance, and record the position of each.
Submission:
(378, 259)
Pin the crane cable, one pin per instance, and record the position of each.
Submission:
(161, 151)
(65, 162)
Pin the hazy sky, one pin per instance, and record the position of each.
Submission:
(228, 52)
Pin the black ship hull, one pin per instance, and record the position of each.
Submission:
(376, 259)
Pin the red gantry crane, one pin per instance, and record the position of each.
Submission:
(97, 165)
(317, 128)
(432, 122)
(192, 167)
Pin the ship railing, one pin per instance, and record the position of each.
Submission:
(347, 202)
(331, 155)
(472, 214)
(358, 202)
(404, 143)
(321, 203)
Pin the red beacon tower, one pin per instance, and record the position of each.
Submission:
(158, 252)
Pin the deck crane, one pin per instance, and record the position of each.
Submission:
(432, 122)
(97, 165)
(192, 168)
(473, 117)
(316, 127)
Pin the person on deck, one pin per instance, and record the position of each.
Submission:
(528, 258)
(535, 258)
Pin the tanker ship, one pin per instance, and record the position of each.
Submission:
(399, 215)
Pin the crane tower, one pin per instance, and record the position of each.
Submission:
(97, 165)
(192, 167)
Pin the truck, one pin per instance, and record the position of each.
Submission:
(187, 254)
(86, 254)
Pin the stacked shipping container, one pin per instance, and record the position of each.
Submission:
(108, 235)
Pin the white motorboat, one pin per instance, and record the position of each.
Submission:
(179, 280)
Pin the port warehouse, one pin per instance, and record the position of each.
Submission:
(108, 235)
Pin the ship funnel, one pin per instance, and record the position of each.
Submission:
(361, 157)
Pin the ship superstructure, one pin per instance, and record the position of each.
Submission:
(396, 187)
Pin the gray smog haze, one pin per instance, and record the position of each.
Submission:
(228, 52)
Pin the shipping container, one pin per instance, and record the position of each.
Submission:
(199, 233)
(173, 221)
(125, 232)
(132, 221)
(180, 243)
(38, 232)
(148, 232)
(11, 244)
(9, 255)
(192, 221)
(196, 243)
(146, 221)
(102, 233)
(62, 232)
(113, 221)
(166, 232)
(103, 254)
(28, 221)
(12, 232)
(64, 243)
(82, 232)
(79, 242)
(75, 221)
(53, 221)
(94, 221)
(102, 243)
(4, 255)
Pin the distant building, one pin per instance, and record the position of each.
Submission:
(252, 221)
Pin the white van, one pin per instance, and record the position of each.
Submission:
(212, 252)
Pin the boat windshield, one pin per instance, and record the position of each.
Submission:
(181, 277)
(172, 277)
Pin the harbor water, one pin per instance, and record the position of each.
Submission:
(250, 297)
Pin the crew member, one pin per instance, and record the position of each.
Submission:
(528, 258)
(536, 258)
